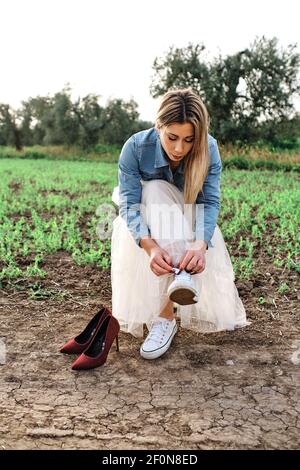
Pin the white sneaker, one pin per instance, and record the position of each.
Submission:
(159, 338)
(182, 290)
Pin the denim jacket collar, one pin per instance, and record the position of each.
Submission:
(160, 159)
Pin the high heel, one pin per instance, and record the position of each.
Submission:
(78, 344)
(96, 354)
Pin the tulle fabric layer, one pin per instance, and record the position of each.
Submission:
(139, 295)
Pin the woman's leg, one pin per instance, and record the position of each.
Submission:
(168, 311)
(163, 211)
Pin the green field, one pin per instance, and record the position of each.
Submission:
(51, 205)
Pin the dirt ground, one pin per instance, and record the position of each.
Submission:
(228, 390)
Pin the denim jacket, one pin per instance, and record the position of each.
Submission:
(143, 158)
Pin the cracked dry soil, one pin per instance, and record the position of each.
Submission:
(228, 390)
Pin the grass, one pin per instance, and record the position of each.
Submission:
(100, 152)
(260, 209)
(48, 206)
(52, 205)
(246, 157)
(261, 154)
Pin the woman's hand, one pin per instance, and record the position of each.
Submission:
(193, 260)
(160, 261)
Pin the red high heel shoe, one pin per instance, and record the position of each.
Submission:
(83, 340)
(96, 354)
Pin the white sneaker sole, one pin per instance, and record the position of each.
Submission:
(161, 350)
(183, 295)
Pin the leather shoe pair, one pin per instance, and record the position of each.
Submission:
(94, 342)
(83, 340)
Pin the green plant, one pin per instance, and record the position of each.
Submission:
(283, 288)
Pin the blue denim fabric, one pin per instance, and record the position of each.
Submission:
(143, 158)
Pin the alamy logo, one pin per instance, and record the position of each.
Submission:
(168, 222)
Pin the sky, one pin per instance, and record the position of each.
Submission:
(108, 47)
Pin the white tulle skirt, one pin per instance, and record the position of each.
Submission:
(138, 295)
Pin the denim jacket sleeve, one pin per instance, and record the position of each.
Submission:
(130, 191)
(209, 198)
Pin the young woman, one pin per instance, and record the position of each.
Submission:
(166, 245)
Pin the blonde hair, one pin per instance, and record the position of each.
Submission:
(181, 106)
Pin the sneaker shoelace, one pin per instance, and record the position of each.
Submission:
(155, 333)
(184, 276)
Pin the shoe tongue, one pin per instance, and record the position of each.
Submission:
(184, 274)
(162, 320)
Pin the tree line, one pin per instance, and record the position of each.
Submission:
(249, 95)
(57, 120)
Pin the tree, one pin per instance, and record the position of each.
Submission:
(90, 118)
(60, 123)
(270, 84)
(33, 112)
(120, 121)
(9, 130)
(56, 120)
(241, 91)
(180, 68)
